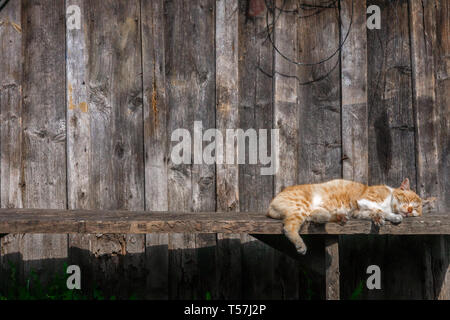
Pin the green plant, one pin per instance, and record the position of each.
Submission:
(55, 289)
(356, 295)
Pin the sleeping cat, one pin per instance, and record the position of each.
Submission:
(337, 200)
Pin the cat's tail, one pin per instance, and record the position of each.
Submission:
(275, 210)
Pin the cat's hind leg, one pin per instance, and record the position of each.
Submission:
(291, 229)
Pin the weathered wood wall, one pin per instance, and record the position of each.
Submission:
(86, 119)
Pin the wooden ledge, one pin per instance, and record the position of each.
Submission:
(101, 221)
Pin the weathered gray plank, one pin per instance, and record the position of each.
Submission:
(227, 117)
(391, 121)
(189, 41)
(274, 279)
(391, 146)
(155, 142)
(105, 160)
(442, 52)
(332, 268)
(319, 105)
(10, 129)
(124, 221)
(319, 102)
(355, 148)
(424, 48)
(355, 153)
(43, 158)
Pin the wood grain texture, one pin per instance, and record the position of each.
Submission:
(227, 117)
(355, 149)
(319, 135)
(355, 133)
(391, 148)
(121, 221)
(268, 280)
(391, 114)
(286, 108)
(155, 142)
(10, 129)
(442, 69)
(189, 40)
(332, 268)
(424, 53)
(42, 123)
(105, 146)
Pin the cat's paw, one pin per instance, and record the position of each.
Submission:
(341, 218)
(396, 219)
(377, 218)
(301, 249)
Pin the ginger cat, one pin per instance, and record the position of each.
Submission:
(337, 200)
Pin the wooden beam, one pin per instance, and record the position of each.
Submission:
(120, 221)
(332, 267)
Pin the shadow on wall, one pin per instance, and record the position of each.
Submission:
(412, 267)
(212, 272)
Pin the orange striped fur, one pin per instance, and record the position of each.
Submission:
(337, 200)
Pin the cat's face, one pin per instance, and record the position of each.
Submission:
(407, 203)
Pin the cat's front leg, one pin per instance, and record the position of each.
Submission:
(375, 215)
(392, 217)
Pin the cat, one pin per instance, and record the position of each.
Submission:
(337, 200)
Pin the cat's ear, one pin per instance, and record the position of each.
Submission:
(405, 184)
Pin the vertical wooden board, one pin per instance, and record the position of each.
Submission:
(391, 122)
(229, 250)
(319, 105)
(286, 108)
(355, 134)
(391, 145)
(105, 146)
(10, 129)
(155, 142)
(190, 74)
(275, 279)
(355, 151)
(332, 268)
(442, 70)
(424, 30)
(319, 102)
(43, 143)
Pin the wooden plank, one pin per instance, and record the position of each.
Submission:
(423, 35)
(155, 142)
(10, 129)
(286, 120)
(119, 221)
(391, 117)
(442, 51)
(229, 252)
(43, 137)
(105, 141)
(273, 279)
(189, 65)
(355, 148)
(332, 274)
(319, 102)
(391, 149)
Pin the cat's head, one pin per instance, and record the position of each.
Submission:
(407, 203)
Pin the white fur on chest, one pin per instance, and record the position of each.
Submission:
(384, 206)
